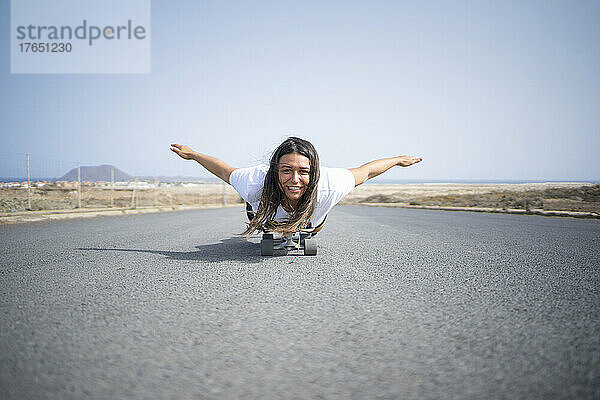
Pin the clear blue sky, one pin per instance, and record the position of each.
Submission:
(479, 89)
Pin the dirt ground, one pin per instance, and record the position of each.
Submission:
(51, 197)
(546, 196)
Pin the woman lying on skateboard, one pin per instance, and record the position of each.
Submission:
(294, 191)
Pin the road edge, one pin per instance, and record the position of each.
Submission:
(545, 213)
(52, 215)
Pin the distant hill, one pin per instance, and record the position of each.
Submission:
(95, 174)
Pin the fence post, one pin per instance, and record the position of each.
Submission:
(28, 185)
(202, 194)
(112, 187)
(78, 185)
(157, 184)
(133, 194)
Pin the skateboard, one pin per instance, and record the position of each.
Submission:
(298, 241)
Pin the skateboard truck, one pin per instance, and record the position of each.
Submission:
(302, 240)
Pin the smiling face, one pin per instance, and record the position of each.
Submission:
(294, 175)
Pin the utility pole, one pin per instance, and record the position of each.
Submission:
(28, 185)
(78, 185)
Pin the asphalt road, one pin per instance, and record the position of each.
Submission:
(409, 304)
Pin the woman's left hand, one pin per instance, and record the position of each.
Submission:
(406, 161)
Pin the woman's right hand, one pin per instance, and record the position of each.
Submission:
(183, 151)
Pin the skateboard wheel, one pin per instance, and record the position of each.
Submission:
(310, 247)
(266, 247)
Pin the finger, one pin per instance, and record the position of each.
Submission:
(176, 145)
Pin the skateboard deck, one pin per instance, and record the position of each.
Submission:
(299, 241)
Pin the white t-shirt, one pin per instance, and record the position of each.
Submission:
(334, 184)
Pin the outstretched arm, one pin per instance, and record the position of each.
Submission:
(212, 164)
(377, 167)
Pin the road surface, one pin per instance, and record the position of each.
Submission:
(399, 303)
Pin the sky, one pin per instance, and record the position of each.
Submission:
(484, 90)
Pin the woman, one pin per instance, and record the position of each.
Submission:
(294, 191)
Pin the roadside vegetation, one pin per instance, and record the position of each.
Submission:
(582, 198)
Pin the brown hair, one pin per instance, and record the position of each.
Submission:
(272, 194)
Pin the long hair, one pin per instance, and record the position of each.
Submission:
(272, 195)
